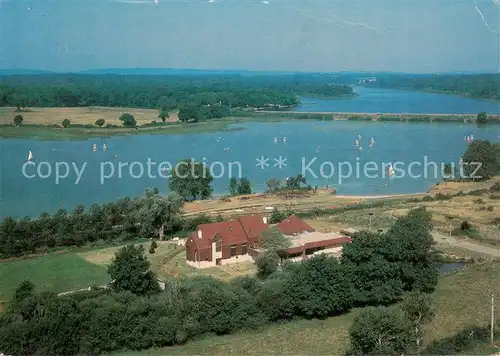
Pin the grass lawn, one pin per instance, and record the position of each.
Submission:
(54, 273)
(169, 260)
(461, 300)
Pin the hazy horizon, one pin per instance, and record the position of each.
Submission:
(399, 36)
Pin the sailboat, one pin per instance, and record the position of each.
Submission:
(30, 156)
(390, 171)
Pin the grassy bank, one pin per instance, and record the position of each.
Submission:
(82, 132)
(44, 123)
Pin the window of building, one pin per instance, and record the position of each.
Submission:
(218, 245)
(244, 249)
(233, 250)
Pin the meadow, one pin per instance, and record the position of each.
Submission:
(67, 271)
(58, 272)
(81, 115)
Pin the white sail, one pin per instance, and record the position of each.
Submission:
(30, 156)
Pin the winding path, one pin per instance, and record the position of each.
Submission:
(468, 245)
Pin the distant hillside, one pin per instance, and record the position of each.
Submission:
(180, 72)
(24, 72)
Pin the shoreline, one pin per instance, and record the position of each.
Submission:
(83, 132)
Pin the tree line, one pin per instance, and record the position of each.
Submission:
(474, 85)
(162, 92)
(375, 269)
(147, 216)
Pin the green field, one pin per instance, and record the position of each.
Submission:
(54, 273)
(50, 133)
(65, 271)
(461, 300)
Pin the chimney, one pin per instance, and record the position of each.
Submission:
(264, 219)
(200, 234)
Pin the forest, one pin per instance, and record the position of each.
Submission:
(163, 92)
(485, 86)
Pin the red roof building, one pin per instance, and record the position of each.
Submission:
(239, 240)
(293, 225)
(224, 242)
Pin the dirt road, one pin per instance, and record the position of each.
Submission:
(466, 244)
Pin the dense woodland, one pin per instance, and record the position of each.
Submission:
(478, 85)
(375, 269)
(162, 92)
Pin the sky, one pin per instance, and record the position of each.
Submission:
(419, 36)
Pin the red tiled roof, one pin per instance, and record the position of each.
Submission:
(231, 232)
(253, 225)
(294, 225)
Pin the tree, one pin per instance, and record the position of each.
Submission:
(320, 288)
(66, 123)
(418, 310)
(100, 122)
(239, 186)
(129, 271)
(128, 120)
(233, 186)
(481, 161)
(24, 290)
(409, 248)
(163, 114)
(244, 187)
(191, 179)
(482, 118)
(153, 246)
(158, 214)
(380, 331)
(376, 281)
(273, 239)
(18, 119)
(295, 182)
(190, 113)
(277, 216)
(267, 263)
(273, 184)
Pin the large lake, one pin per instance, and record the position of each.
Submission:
(316, 145)
(373, 100)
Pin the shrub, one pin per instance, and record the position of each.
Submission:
(100, 122)
(465, 225)
(495, 187)
(66, 123)
(128, 120)
(441, 196)
(18, 119)
(490, 208)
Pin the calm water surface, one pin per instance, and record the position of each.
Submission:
(372, 100)
(328, 143)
